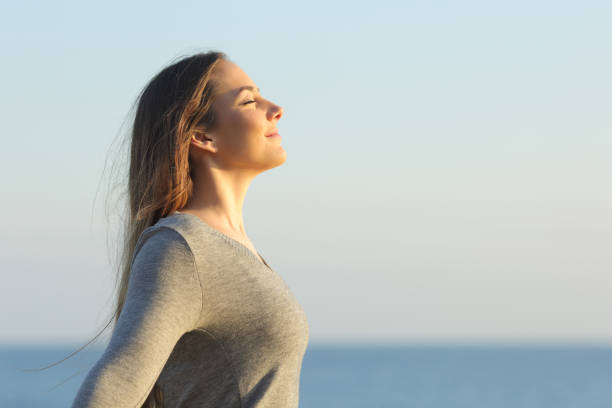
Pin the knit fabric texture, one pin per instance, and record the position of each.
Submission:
(206, 319)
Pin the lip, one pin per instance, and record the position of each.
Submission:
(275, 134)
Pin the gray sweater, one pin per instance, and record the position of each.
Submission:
(207, 320)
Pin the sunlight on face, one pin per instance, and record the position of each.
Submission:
(244, 118)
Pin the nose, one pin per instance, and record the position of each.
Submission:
(276, 112)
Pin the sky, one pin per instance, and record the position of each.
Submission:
(448, 175)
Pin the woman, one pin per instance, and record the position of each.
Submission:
(201, 320)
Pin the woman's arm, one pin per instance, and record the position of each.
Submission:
(164, 301)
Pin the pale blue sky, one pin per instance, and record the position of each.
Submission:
(448, 175)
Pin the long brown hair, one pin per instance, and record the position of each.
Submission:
(175, 102)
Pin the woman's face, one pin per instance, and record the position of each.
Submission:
(244, 118)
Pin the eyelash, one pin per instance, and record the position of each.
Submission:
(247, 102)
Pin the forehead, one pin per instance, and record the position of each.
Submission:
(230, 78)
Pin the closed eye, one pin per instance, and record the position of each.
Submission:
(247, 102)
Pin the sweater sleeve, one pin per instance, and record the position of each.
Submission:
(163, 302)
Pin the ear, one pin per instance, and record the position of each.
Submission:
(202, 140)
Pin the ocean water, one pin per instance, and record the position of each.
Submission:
(372, 377)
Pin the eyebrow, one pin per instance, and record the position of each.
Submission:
(247, 87)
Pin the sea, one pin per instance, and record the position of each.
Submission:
(424, 376)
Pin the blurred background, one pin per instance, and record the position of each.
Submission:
(447, 189)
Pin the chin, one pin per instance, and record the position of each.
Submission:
(277, 160)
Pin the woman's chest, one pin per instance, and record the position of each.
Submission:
(245, 302)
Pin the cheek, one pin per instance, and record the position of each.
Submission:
(251, 120)
(237, 122)
(242, 130)
(248, 125)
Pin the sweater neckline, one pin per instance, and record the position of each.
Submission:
(233, 242)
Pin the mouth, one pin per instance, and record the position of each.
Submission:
(274, 133)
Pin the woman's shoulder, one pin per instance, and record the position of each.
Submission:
(187, 226)
(176, 231)
(171, 228)
(164, 262)
(163, 244)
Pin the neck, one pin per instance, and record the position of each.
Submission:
(218, 197)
